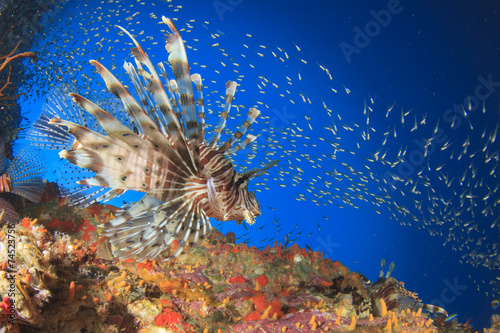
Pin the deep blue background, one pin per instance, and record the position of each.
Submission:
(427, 58)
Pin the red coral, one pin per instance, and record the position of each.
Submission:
(276, 308)
(6, 305)
(148, 264)
(166, 303)
(87, 228)
(260, 302)
(262, 280)
(26, 223)
(237, 279)
(168, 318)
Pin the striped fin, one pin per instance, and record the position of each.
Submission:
(116, 130)
(230, 91)
(171, 85)
(48, 136)
(145, 204)
(139, 87)
(75, 194)
(252, 114)
(8, 213)
(26, 174)
(157, 90)
(176, 95)
(84, 196)
(178, 59)
(248, 140)
(150, 227)
(141, 119)
(201, 230)
(432, 308)
(196, 78)
(146, 101)
(118, 166)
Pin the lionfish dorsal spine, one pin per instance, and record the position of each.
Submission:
(230, 91)
(139, 87)
(155, 87)
(180, 67)
(242, 145)
(196, 78)
(252, 114)
(141, 119)
(176, 96)
(173, 91)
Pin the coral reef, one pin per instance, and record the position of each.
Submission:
(62, 261)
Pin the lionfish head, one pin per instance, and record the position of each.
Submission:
(251, 207)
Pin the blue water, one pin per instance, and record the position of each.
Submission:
(426, 58)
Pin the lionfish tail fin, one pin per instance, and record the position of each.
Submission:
(26, 174)
(151, 227)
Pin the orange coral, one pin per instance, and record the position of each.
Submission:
(261, 304)
(71, 294)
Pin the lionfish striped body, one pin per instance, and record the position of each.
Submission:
(186, 179)
(394, 296)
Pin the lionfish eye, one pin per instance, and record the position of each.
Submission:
(240, 180)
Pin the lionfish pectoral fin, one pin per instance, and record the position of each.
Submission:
(113, 194)
(249, 218)
(213, 199)
(150, 227)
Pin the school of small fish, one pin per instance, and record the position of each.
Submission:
(438, 173)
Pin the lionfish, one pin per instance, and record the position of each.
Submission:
(394, 295)
(162, 152)
(24, 176)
